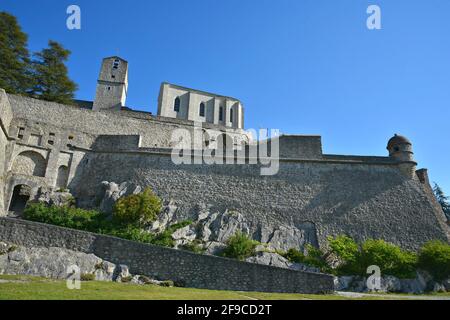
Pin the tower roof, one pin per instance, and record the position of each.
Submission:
(396, 140)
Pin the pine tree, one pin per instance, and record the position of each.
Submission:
(52, 82)
(442, 199)
(14, 56)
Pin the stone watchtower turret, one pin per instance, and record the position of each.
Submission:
(400, 149)
(112, 85)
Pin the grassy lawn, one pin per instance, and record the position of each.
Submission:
(35, 288)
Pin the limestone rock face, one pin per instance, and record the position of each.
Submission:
(57, 198)
(390, 284)
(167, 217)
(51, 262)
(275, 260)
(46, 262)
(110, 192)
(287, 237)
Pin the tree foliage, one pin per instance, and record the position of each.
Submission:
(442, 199)
(15, 73)
(51, 80)
(434, 257)
(45, 76)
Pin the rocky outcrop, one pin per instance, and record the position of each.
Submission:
(47, 262)
(110, 192)
(58, 263)
(58, 198)
(390, 284)
(276, 260)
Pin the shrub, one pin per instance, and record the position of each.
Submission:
(87, 277)
(316, 258)
(294, 256)
(131, 233)
(126, 279)
(165, 238)
(349, 252)
(167, 283)
(240, 247)
(391, 259)
(137, 209)
(69, 217)
(434, 257)
(145, 279)
(194, 246)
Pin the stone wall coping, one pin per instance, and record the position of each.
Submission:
(167, 152)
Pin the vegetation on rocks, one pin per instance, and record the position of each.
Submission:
(434, 257)
(137, 209)
(131, 216)
(240, 247)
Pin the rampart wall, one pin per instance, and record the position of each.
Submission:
(198, 271)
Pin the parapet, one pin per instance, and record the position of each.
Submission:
(117, 143)
(300, 147)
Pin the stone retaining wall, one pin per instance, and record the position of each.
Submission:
(199, 271)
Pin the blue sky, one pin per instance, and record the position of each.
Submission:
(301, 66)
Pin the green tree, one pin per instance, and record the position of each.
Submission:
(52, 82)
(442, 199)
(14, 56)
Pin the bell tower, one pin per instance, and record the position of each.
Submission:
(112, 85)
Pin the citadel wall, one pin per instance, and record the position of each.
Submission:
(365, 197)
(198, 271)
(5, 120)
(362, 199)
(155, 131)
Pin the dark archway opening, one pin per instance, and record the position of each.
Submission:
(19, 199)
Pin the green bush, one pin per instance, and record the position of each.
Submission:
(126, 279)
(87, 277)
(434, 257)
(314, 257)
(355, 259)
(137, 209)
(167, 283)
(69, 217)
(294, 256)
(391, 259)
(240, 247)
(194, 246)
(130, 233)
(349, 252)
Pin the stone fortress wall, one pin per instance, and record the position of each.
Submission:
(46, 145)
(6, 116)
(193, 270)
(360, 196)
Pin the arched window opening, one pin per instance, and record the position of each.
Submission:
(30, 163)
(176, 105)
(202, 110)
(62, 178)
(231, 115)
(19, 199)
